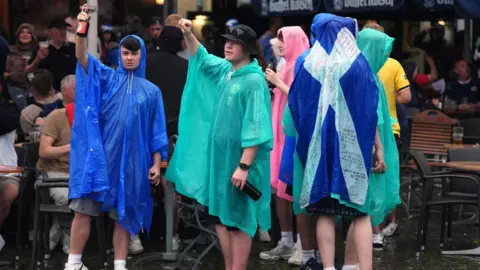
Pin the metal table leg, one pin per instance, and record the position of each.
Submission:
(168, 255)
(469, 252)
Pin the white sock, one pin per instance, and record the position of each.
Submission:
(119, 264)
(307, 255)
(329, 268)
(349, 267)
(74, 259)
(299, 241)
(133, 237)
(287, 238)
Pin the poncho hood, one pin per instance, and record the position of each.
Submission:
(375, 46)
(253, 67)
(295, 40)
(325, 28)
(140, 70)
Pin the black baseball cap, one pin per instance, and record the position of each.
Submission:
(58, 23)
(244, 35)
(155, 21)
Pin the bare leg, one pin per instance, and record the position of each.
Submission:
(226, 244)
(242, 243)
(306, 230)
(326, 240)
(79, 233)
(351, 257)
(284, 214)
(120, 242)
(376, 230)
(363, 241)
(8, 193)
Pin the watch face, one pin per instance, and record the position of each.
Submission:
(244, 166)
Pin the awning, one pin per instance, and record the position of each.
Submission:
(470, 8)
(285, 7)
(357, 6)
(435, 5)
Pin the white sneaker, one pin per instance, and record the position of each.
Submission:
(297, 256)
(176, 243)
(281, 251)
(390, 229)
(2, 242)
(66, 243)
(79, 266)
(55, 236)
(378, 241)
(135, 245)
(264, 236)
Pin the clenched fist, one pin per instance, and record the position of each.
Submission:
(185, 26)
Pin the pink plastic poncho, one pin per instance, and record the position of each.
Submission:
(296, 42)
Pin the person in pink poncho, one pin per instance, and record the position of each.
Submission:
(292, 43)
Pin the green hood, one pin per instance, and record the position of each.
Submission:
(375, 46)
(253, 67)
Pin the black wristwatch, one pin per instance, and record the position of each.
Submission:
(244, 167)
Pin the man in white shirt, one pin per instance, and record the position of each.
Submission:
(9, 183)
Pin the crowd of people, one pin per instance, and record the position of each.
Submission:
(313, 123)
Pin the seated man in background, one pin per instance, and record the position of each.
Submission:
(41, 89)
(67, 94)
(465, 92)
(9, 123)
(55, 161)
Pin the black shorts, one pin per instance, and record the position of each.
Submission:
(398, 141)
(214, 220)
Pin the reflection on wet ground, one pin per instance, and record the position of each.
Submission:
(399, 252)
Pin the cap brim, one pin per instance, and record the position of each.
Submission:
(251, 49)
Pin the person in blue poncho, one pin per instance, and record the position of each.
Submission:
(118, 141)
(224, 140)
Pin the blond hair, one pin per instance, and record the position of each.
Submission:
(173, 20)
(374, 26)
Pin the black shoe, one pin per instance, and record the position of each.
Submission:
(311, 264)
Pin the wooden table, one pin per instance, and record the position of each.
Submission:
(471, 167)
(10, 169)
(449, 146)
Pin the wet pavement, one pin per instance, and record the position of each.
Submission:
(399, 252)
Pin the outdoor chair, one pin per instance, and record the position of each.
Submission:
(430, 131)
(445, 200)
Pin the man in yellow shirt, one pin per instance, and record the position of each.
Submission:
(397, 88)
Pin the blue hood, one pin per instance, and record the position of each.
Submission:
(325, 28)
(140, 70)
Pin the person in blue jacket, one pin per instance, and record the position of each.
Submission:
(118, 141)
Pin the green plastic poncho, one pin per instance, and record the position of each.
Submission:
(221, 113)
(384, 189)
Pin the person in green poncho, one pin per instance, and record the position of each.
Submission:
(383, 195)
(225, 139)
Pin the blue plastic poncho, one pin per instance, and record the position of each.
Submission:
(222, 113)
(119, 125)
(384, 190)
(333, 102)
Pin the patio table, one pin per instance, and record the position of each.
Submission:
(470, 167)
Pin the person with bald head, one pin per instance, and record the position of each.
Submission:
(174, 20)
(465, 91)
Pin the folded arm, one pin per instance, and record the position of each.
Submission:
(48, 151)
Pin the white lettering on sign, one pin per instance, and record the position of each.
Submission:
(338, 5)
(431, 3)
(290, 5)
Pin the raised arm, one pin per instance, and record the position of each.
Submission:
(190, 39)
(81, 44)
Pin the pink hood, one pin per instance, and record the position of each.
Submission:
(296, 42)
